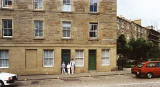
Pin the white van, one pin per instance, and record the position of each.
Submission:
(7, 78)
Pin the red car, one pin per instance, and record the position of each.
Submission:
(149, 69)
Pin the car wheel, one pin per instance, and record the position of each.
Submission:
(149, 75)
(1, 84)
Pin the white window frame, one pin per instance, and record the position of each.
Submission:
(3, 29)
(105, 57)
(38, 29)
(6, 6)
(66, 6)
(51, 57)
(79, 57)
(6, 58)
(95, 31)
(91, 2)
(66, 27)
(40, 4)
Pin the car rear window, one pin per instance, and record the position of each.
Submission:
(140, 65)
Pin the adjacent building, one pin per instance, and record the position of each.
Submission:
(36, 36)
(153, 35)
(131, 29)
(134, 29)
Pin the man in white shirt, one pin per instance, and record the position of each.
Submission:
(72, 66)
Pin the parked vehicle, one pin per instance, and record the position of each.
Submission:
(7, 79)
(148, 69)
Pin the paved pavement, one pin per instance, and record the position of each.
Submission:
(91, 74)
(109, 79)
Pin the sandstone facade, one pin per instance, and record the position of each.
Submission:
(25, 51)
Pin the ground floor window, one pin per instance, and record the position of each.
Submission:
(79, 58)
(48, 58)
(105, 57)
(4, 59)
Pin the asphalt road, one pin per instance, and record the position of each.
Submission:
(127, 80)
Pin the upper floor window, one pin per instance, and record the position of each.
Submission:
(6, 3)
(66, 5)
(93, 5)
(66, 29)
(38, 28)
(7, 27)
(38, 4)
(93, 33)
(4, 59)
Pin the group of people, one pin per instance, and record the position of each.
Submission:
(70, 67)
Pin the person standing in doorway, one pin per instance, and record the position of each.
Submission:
(68, 68)
(63, 68)
(72, 66)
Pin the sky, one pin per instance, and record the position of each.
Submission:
(146, 10)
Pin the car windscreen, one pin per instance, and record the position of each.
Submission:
(140, 65)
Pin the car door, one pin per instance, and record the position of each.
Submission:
(158, 68)
(151, 67)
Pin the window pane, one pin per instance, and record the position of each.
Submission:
(93, 29)
(68, 33)
(7, 27)
(3, 58)
(48, 58)
(93, 5)
(38, 4)
(66, 29)
(6, 3)
(64, 1)
(92, 34)
(7, 32)
(41, 33)
(9, 2)
(79, 58)
(105, 57)
(5, 24)
(38, 27)
(66, 5)
(9, 23)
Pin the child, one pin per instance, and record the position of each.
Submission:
(68, 68)
(63, 68)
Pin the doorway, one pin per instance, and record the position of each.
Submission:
(66, 55)
(92, 60)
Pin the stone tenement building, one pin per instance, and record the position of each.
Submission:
(37, 35)
(131, 29)
(153, 35)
